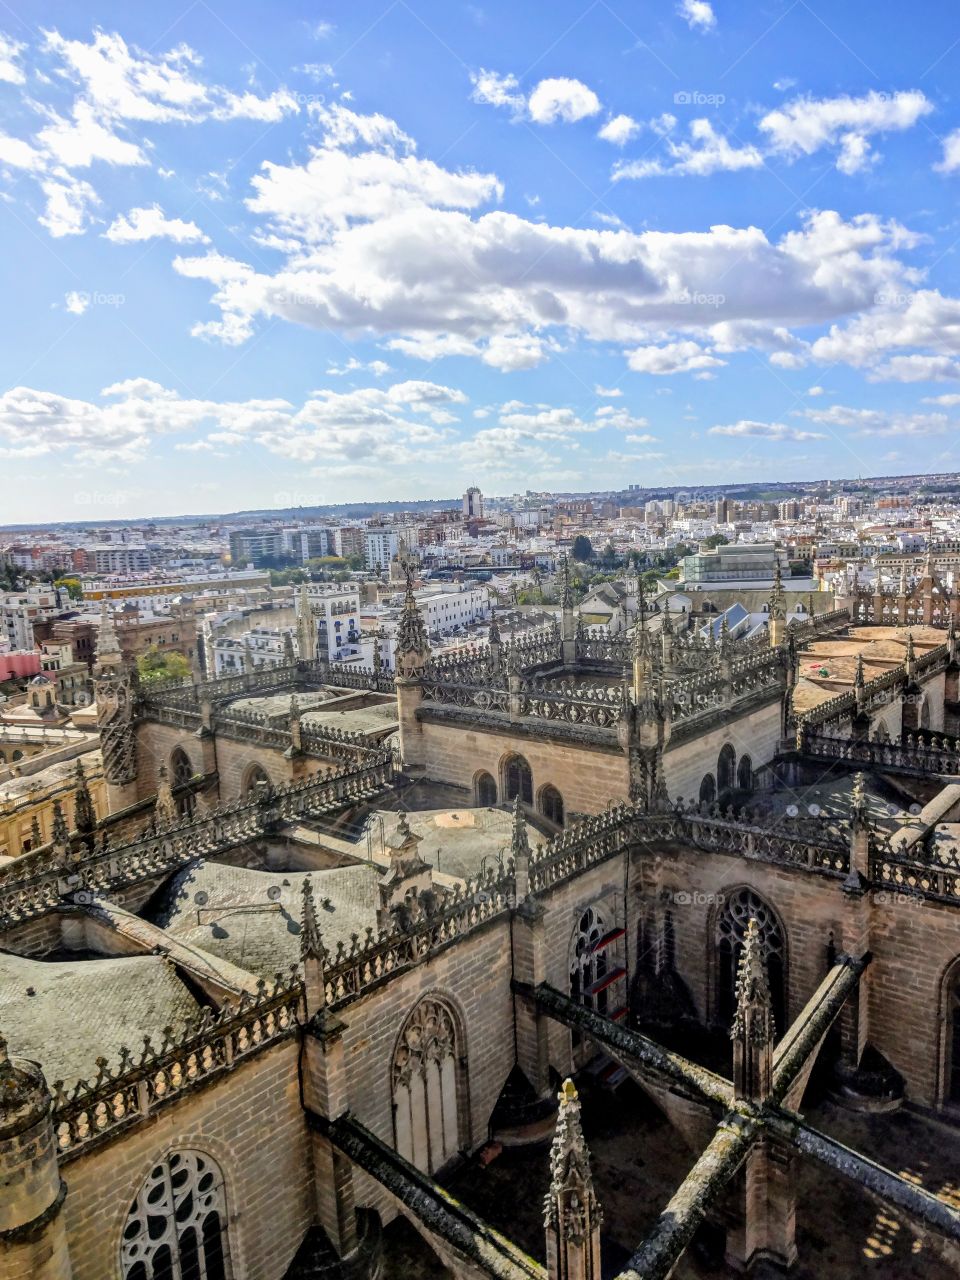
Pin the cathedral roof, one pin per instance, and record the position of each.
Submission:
(66, 1014)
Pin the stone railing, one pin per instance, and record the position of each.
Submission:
(819, 624)
(593, 646)
(115, 1099)
(352, 971)
(596, 706)
(909, 875)
(936, 756)
(484, 697)
(36, 884)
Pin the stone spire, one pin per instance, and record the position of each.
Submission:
(306, 626)
(753, 1030)
(412, 646)
(61, 832)
(312, 952)
(777, 616)
(571, 1214)
(108, 643)
(165, 807)
(288, 654)
(566, 596)
(376, 658)
(85, 816)
(520, 851)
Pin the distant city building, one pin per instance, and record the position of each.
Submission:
(473, 504)
(254, 546)
(736, 562)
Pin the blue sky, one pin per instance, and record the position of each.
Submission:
(307, 253)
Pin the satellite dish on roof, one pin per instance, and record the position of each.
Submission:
(274, 892)
(792, 811)
(915, 808)
(201, 897)
(893, 810)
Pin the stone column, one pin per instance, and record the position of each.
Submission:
(33, 1242)
(325, 1090)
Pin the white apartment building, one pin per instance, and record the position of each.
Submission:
(379, 547)
(445, 608)
(261, 647)
(19, 610)
(119, 558)
(336, 608)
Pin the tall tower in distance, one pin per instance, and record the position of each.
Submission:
(473, 504)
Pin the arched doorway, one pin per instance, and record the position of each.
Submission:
(426, 1086)
(726, 768)
(551, 804)
(745, 774)
(486, 789)
(517, 780)
(708, 789)
(176, 1228)
(181, 771)
(738, 910)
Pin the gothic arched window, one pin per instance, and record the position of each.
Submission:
(551, 805)
(726, 766)
(518, 780)
(486, 790)
(254, 776)
(176, 1228)
(588, 964)
(708, 789)
(745, 773)
(425, 1071)
(737, 912)
(181, 771)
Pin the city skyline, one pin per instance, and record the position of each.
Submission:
(405, 249)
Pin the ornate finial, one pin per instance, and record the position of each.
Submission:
(571, 1215)
(753, 1020)
(61, 832)
(778, 599)
(858, 680)
(858, 796)
(294, 707)
(566, 598)
(520, 842)
(910, 655)
(85, 816)
(493, 635)
(36, 836)
(288, 654)
(411, 633)
(108, 643)
(311, 943)
(666, 627)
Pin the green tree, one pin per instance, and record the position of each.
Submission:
(715, 540)
(582, 548)
(74, 589)
(157, 664)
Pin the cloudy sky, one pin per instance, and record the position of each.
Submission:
(304, 253)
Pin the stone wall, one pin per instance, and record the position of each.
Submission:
(252, 1124)
(756, 734)
(587, 777)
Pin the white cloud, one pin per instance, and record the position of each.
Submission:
(879, 422)
(620, 130)
(10, 70)
(20, 154)
(674, 357)
(152, 224)
(607, 391)
(951, 153)
(815, 391)
(707, 152)
(805, 125)
(78, 142)
(562, 99)
(76, 303)
(765, 431)
(698, 14)
(495, 90)
(68, 205)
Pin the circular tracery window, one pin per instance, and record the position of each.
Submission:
(176, 1226)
